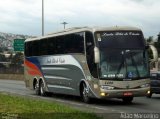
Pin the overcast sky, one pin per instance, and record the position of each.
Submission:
(24, 16)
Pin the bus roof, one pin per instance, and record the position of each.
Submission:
(80, 29)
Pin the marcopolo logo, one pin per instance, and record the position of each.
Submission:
(55, 60)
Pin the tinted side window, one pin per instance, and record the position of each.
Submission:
(26, 52)
(79, 42)
(52, 46)
(43, 47)
(35, 48)
(60, 41)
(74, 43)
(29, 48)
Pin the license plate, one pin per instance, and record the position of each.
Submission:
(127, 94)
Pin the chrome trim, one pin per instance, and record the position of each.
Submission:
(57, 86)
(56, 77)
(54, 68)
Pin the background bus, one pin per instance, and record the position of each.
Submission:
(89, 62)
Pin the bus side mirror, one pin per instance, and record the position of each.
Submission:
(96, 55)
(154, 52)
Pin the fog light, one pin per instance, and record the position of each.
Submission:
(148, 92)
(102, 94)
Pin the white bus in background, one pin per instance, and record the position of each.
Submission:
(96, 62)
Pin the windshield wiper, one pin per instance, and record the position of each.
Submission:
(121, 65)
(134, 64)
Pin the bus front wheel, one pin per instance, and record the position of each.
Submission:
(85, 93)
(42, 86)
(127, 100)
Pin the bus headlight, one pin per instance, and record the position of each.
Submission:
(148, 92)
(107, 87)
(145, 85)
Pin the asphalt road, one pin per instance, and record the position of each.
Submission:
(112, 106)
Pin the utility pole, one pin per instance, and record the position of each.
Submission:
(42, 18)
(64, 23)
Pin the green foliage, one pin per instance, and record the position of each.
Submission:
(150, 39)
(157, 45)
(158, 37)
(22, 108)
(2, 58)
(2, 49)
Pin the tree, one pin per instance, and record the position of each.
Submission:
(158, 37)
(150, 39)
(2, 58)
(157, 44)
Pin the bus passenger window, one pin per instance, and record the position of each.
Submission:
(44, 47)
(74, 43)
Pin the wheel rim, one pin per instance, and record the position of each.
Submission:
(42, 88)
(85, 92)
(36, 86)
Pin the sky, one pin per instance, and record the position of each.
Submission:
(25, 16)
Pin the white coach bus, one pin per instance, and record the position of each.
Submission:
(89, 62)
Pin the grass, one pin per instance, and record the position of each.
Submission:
(13, 107)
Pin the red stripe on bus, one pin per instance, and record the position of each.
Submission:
(31, 72)
(34, 70)
(31, 65)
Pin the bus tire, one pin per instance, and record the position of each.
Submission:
(41, 86)
(36, 88)
(85, 93)
(127, 100)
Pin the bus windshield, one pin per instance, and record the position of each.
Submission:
(120, 63)
(122, 55)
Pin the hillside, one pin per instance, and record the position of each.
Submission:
(6, 39)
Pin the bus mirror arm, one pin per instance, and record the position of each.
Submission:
(96, 55)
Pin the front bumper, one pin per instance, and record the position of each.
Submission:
(120, 93)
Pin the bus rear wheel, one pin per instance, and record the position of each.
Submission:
(85, 93)
(127, 100)
(36, 88)
(42, 89)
